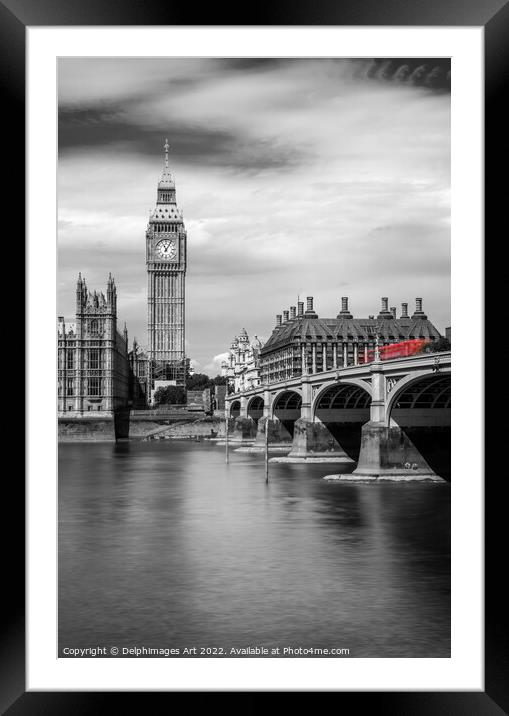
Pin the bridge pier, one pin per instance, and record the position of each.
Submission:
(278, 434)
(243, 407)
(279, 439)
(388, 454)
(244, 430)
(312, 442)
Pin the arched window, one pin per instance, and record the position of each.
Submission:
(94, 327)
(94, 358)
(94, 386)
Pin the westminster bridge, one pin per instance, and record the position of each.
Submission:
(390, 419)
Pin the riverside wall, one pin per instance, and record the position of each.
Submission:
(139, 425)
(104, 428)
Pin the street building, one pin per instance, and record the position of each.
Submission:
(242, 367)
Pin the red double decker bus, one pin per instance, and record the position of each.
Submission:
(399, 350)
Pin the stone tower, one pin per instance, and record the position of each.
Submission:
(92, 355)
(166, 269)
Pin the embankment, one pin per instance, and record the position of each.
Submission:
(205, 427)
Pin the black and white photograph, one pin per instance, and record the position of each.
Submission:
(254, 357)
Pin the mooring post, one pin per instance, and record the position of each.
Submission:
(226, 435)
(267, 450)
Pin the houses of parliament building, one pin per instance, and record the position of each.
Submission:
(96, 372)
(93, 370)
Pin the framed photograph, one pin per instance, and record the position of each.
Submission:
(250, 250)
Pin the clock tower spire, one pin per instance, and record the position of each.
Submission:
(166, 269)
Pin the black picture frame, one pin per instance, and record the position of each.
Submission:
(15, 16)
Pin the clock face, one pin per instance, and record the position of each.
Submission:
(166, 249)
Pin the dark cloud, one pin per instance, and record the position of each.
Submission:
(244, 64)
(402, 73)
(105, 127)
(436, 77)
(433, 73)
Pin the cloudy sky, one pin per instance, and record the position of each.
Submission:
(322, 178)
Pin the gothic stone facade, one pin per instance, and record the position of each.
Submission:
(302, 342)
(139, 388)
(166, 269)
(93, 370)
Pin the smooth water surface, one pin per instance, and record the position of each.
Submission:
(163, 545)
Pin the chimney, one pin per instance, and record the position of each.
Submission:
(278, 320)
(285, 316)
(310, 313)
(384, 311)
(300, 308)
(344, 313)
(419, 313)
(293, 312)
(393, 311)
(404, 310)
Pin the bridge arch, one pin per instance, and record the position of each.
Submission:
(410, 385)
(362, 385)
(286, 405)
(343, 407)
(421, 406)
(234, 411)
(255, 407)
(281, 397)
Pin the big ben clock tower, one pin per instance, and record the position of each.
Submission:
(166, 269)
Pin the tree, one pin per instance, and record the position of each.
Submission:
(220, 380)
(170, 395)
(198, 381)
(439, 345)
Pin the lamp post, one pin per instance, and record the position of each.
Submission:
(377, 342)
(226, 428)
(267, 450)
(377, 349)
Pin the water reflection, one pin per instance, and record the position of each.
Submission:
(162, 544)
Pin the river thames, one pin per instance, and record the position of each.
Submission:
(163, 545)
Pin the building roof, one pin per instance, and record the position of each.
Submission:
(166, 212)
(166, 180)
(70, 327)
(321, 329)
